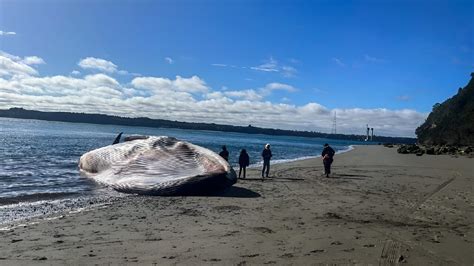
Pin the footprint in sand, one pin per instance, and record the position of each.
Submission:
(264, 230)
(317, 251)
(250, 255)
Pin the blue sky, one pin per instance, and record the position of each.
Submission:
(353, 56)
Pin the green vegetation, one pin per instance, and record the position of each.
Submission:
(451, 122)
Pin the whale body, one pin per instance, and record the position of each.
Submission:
(158, 166)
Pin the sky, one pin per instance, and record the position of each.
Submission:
(279, 64)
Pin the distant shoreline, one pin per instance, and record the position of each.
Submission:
(102, 119)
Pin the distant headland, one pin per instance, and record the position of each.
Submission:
(162, 123)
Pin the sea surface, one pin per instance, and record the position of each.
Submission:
(38, 159)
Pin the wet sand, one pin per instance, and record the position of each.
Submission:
(379, 207)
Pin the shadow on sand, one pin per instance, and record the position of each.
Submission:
(229, 192)
(272, 179)
(237, 192)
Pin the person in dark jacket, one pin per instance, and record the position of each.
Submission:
(224, 153)
(266, 155)
(327, 154)
(244, 161)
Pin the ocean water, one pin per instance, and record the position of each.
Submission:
(38, 159)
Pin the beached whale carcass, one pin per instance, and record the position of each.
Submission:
(158, 166)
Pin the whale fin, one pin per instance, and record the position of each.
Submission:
(117, 139)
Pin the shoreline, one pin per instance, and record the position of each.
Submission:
(284, 161)
(378, 207)
(50, 196)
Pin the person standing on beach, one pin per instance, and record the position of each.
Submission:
(244, 161)
(224, 153)
(327, 154)
(266, 155)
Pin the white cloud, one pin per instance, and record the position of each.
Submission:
(313, 108)
(33, 60)
(270, 65)
(250, 95)
(10, 56)
(75, 73)
(4, 33)
(215, 95)
(98, 85)
(230, 66)
(11, 65)
(169, 60)
(187, 99)
(338, 62)
(154, 84)
(102, 80)
(102, 65)
(278, 86)
(193, 84)
(97, 64)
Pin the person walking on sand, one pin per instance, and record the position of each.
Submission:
(224, 153)
(244, 161)
(327, 154)
(266, 155)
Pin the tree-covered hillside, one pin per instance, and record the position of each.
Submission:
(451, 122)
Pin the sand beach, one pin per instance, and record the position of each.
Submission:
(379, 207)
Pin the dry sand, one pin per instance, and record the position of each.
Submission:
(379, 207)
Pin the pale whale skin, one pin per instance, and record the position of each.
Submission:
(158, 166)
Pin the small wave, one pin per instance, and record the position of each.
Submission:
(280, 161)
(349, 148)
(26, 207)
(35, 197)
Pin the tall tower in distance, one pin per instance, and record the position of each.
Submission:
(367, 134)
(334, 124)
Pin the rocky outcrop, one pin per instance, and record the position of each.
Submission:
(451, 122)
(436, 150)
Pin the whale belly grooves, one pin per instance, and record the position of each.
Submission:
(158, 166)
